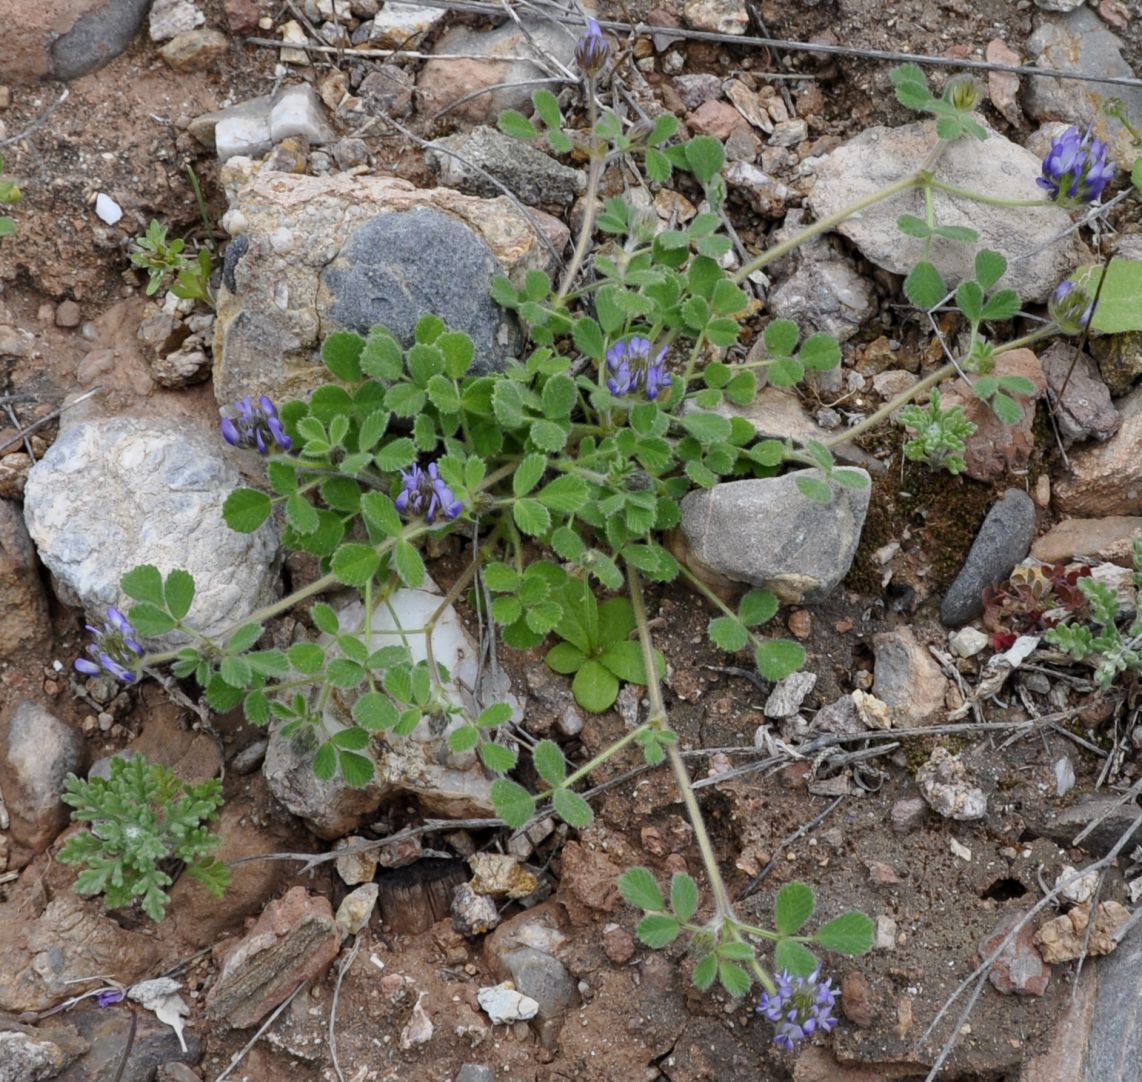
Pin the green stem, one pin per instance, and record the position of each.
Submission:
(914, 180)
(594, 175)
(604, 755)
(991, 200)
(657, 720)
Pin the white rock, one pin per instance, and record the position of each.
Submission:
(885, 933)
(419, 1029)
(171, 17)
(717, 16)
(967, 642)
(504, 1004)
(1081, 888)
(107, 210)
(787, 695)
(401, 26)
(244, 135)
(114, 493)
(298, 111)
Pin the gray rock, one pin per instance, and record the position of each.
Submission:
(388, 89)
(417, 766)
(297, 110)
(473, 914)
(476, 1072)
(37, 751)
(1003, 540)
(114, 493)
(879, 156)
(99, 35)
(718, 16)
(329, 253)
(1114, 1046)
(765, 532)
(542, 977)
(523, 169)
(25, 625)
(1113, 819)
(442, 83)
(827, 296)
(171, 17)
(907, 678)
(1080, 41)
(25, 1057)
(766, 195)
(1085, 410)
(944, 783)
(787, 695)
(698, 88)
(907, 815)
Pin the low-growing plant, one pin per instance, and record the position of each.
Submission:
(168, 264)
(566, 469)
(1111, 648)
(10, 194)
(143, 822)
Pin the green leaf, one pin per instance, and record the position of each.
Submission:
(813, 488)
(595, 687)
(547, 107)
(306, 657)
(528, 474)
(246, 509)
(409, 565)
(989, 267)
(559, 396)
(1003, 305)
(780, 337)
(820, 352)
(705, 972)
(380, 514)
(794, 906)
(375, 712)
(424, 362)
(658, 930)
(428, 328)
(912, 226)
(962, 233)
(777, 658)
(549, 762)
(514, 123)
(728, 634)
(1007, 409)
(395, 455)
(757, 607)
(707, 428)
(301, 514)
(382, 358)
(236, 672)
(850, 933)
(786, 371)
(343, 673)
(624, 659)
(531, 516)
(341, 353)
(144, 583)
(969, 299)
(495, 715)
(221, 696)
(733, 979)
(325, 762)
(683, 896)
(357, 770)
(497, 758)
(565, 657)
(355, 564)
(149, 620)
(925, 286)
(566, 494)
(405, 399)
(244, 638)
(548, 435)
(572, 808)
(1017, 385)
(640, 889)
(513, 803)
(794, 958)
(463, 739)
(507, 404)
(325, 618)
(705, 155)
(443, 395)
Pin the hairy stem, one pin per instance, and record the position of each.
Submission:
(594, 174)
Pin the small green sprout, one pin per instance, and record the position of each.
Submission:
(164, 260)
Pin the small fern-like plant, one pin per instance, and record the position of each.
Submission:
(143, 820)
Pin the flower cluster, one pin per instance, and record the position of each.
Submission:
(256, 426)
(1077, 168)
(1071, 307)
(115, 649)
(424, 492)
(592, 50)
(633, 371)
(799, 1007)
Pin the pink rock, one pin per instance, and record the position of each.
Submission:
(1107, 479)
(1003, 86)
(716, 118)
(1019, 970)
(294, 941)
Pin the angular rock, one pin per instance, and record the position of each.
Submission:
(1085, 410)
(294, 940)
(387, 89)
(944, 783)
(504, 1004)
(695, 89)
(195, 50)
(37, 751)
(473, 914)
(155, 1046)
(1019, 970)
(787, 695)
(401, 26)
(1065, 938)
(531, 175)
(1107, 479)
(879, 156)
(476, 1072)
(762, 192)
(996, 449)
(1081, 42)
(505, 54)
(716, 16)
(349, 252)
(1003, 540)
(356, 908)
(908, 814)
(114, 493)
(25, 625)
(825, 295)
(297, 111)
(857, 999)
(1109, 538)
(1113, 819)
(68, 942)
(27, 1057)
(1003, 86)
(1114, 1047)
(967, 642)
(766, 533)
(170, 17)
(417, 766)
(907, 678)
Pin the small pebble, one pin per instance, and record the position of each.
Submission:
(68, 314)
(107, 210)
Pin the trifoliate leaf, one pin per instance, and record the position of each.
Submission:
(683, 896)
(728, 633)
(144, 583)
(658, 930)
(778, 658)
(794, 906)
(246, 509)
(733, 979)
(355, 564)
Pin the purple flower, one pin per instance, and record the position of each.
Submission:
(1071, 307)
(799, 1007)
(109, 996)
(592, 50)
(1077, 168)
(115, 649)
(425, 493)
(632, 370)
(256, 426)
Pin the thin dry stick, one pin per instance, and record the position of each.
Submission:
(494, 87)
(47, 420)
(380, 54)
(245, 1049)
(784, 844)
(40, 122)
(342, 969)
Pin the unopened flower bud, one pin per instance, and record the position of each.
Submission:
(592, 50)
(963, 93)
(1071, 307)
